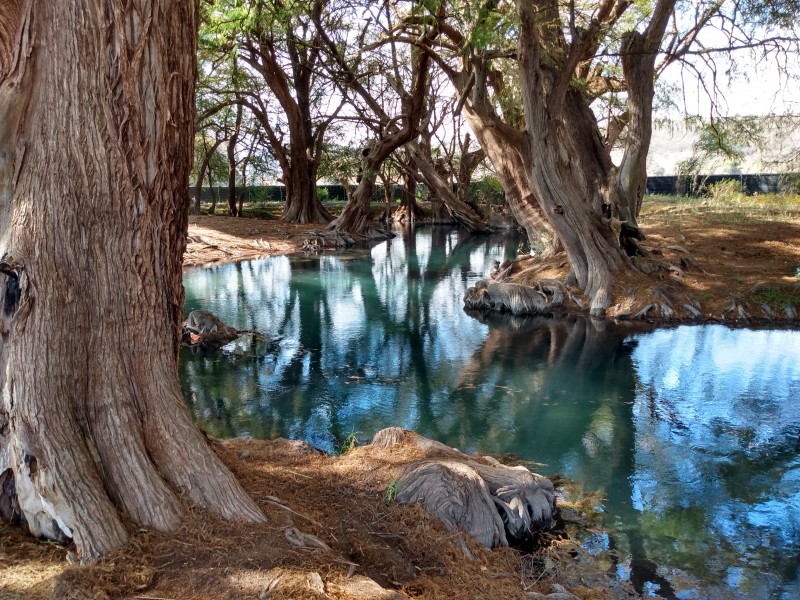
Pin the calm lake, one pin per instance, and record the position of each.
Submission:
(691, 434)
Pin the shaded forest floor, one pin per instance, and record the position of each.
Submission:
(727, 250)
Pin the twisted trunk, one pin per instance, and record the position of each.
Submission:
(503, 149)
(92, 422)
(461, 211)
(302, 204)
(578, 187)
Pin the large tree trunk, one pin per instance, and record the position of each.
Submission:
(96, 123)
(356, 216)
(570, 181)
(504, 152)
(639, 50)
(302, 204)
(294, 92)
(568, 165)
(463, 212)
(571, 173)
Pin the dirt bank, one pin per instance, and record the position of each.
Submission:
(215, 240)
(341, 500)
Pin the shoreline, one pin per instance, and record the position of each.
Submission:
(342, 499)
(684, 267)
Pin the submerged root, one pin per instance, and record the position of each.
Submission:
(332, 239)
(204, 330)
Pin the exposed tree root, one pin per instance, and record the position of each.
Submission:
(333, 239)
(491, 502)
(201, 328)
(405, 215)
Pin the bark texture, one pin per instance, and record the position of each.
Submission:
(491, 502)
(462, 212)
(96, 123)
(294, 89)
(578, 187)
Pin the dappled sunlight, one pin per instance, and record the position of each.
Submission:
(29, 579)
(214, 239)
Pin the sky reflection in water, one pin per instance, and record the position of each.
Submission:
(691, 433)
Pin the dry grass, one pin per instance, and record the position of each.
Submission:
(338, 499)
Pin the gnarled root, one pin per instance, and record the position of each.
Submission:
(206, 329)
(515, 298)
(491, 502)
(328, 240)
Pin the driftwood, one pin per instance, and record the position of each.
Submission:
(201, 328)
(492, 503)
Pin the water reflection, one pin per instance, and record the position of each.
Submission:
(717, 424)
(691, 433)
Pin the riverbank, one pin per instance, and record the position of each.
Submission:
(376, 549)
(736, 262)
(343, 500)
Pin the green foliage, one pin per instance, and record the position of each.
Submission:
(722, 140)
(782, 13)
(339, 162)
(488, 190)
(391, 491)
(347, 444)
(779, 297)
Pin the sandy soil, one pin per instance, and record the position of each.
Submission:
(753, 256)
(224, 239)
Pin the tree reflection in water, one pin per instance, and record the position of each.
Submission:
(696, 454)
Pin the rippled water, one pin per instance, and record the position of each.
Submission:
(692, 434)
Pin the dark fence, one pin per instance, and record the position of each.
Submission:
(670, 185)
(698, 185)
(265, 193)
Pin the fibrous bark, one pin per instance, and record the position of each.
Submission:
(266, 52)
(491, 502)
(515, 298)
(96, 124)
(571, 173)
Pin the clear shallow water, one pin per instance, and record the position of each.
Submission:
(692, 434)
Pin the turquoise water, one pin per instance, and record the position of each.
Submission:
(691, 434)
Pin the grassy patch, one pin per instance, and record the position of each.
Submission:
(347, 444)
(391, 492)
(778, 297)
